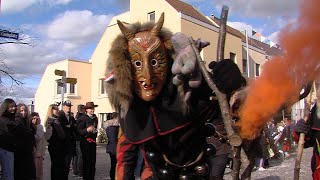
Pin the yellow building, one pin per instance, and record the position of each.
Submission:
(179, 17)
(49, 92)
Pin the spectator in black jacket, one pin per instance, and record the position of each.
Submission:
(69, 127)
(24, 167)
(56, 145)
(87, 126)
(112, 131)
(8, 139)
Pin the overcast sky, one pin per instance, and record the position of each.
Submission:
(61, 29)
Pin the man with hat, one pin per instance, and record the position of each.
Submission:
(87, 127)
(69, 126)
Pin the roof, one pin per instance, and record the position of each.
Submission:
(73, 60)
(188, 10)
(229, 29)
(270, 51)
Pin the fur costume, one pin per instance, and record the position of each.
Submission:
(169, 127)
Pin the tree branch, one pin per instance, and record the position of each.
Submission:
(11, 77)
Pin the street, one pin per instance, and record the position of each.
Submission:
(283, 170)
(102, 165)
(277, 171)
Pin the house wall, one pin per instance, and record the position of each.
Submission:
(197, 30)
(139, 13)
(81, 71)
(255, 56)
(46, 93)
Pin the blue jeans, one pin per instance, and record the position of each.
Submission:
(7, 164)
(77, 160)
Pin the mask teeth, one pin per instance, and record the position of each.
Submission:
(143, 83)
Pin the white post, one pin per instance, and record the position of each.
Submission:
(248, 58)
(63, 80)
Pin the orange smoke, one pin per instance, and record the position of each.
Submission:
(283, 77)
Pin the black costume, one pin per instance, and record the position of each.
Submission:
(88, 145)
(57, 149)
(311, 128)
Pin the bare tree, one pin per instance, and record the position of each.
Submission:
(8, 78)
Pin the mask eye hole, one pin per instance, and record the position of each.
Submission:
(138, 64)
(154, 62)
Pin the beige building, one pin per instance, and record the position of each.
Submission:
(49, 92)
(179, 17)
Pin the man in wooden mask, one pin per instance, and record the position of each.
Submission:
(162, 111)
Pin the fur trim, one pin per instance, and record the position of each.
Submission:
(120, 91)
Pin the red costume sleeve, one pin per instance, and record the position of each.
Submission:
(127, 154)
(307, 139)
(295, 136)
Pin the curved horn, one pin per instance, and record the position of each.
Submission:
(157, 27)
(125, 31)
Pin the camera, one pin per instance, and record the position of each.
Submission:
(95, 130)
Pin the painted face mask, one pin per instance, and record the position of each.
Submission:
(148, 60)
(149, 64)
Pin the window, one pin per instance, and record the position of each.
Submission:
(72, 88)
(257, 69)
(233, 57)
(58, 87)
(244, 67)
(151, 16)
(105, 116)
(68, 88)
(102, 84)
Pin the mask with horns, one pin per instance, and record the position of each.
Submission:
(149, 59)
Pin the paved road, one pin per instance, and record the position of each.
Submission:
(283, 170)
(102, 166)
(278, 170)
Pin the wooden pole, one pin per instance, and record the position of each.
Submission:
(307, 90)
(299, 156)
(234, 139)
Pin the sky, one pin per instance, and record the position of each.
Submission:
(70, 29)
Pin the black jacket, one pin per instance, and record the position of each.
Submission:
(10, 133)
(112, 134)
(83, 123)
(70, 130)
(58, 135)
(27, 140)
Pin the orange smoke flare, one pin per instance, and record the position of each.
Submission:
(283, 77)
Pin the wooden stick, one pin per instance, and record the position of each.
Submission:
(299, 156)
(234, 139)
(222, 33)
(307, 90)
